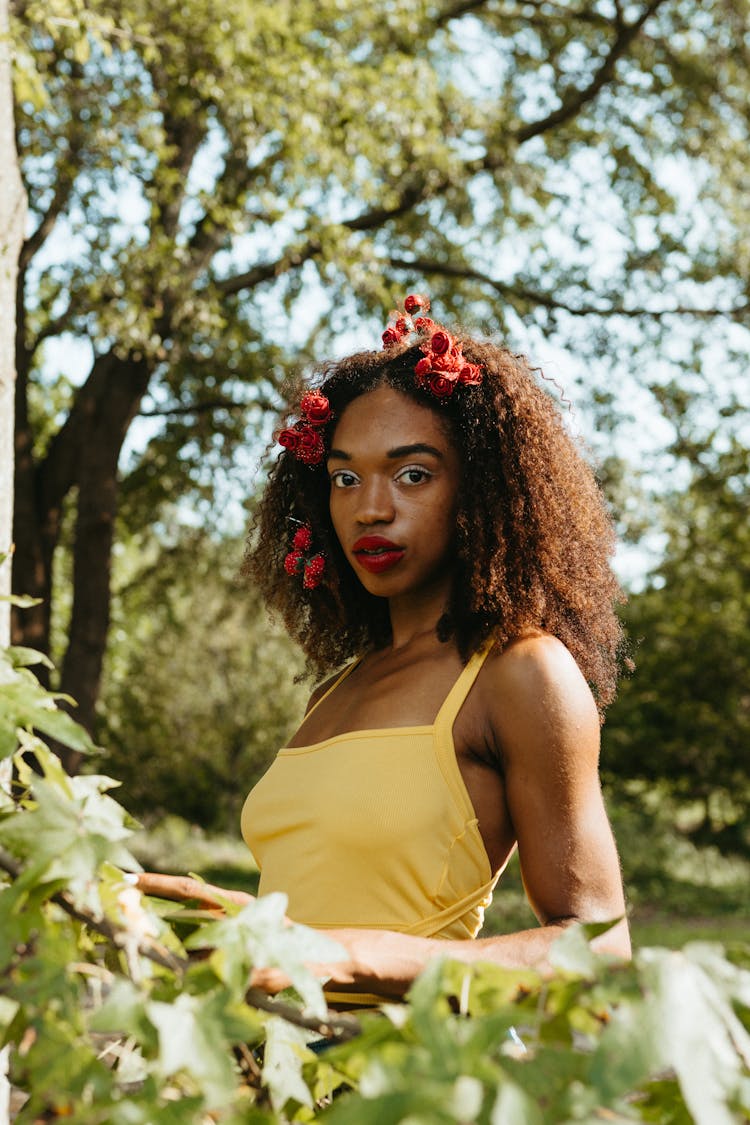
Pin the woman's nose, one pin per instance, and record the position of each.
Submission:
(375, 503)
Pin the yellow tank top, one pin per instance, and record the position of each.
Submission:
(375, 828)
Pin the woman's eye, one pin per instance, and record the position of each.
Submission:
(413, 475)
(343, 479)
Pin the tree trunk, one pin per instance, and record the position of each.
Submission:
(12, 220)
(34, 544)
(106, 420)
(83, 454)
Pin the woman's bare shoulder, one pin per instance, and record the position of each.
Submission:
(534, 684)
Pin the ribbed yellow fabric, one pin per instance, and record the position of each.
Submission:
(375, 828)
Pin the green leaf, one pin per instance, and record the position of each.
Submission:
(192, 1043)
(572, 953)
(70, 835)
(697, 1033)
(23, 657)
(513, 1106)
(23, 601)
(8, 1010)
(259, 936)
(285, 1054)
(124, 1011)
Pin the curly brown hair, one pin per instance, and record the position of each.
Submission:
(533, 536)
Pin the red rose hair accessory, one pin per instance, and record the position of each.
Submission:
(304, 439)
(301, 560)
(443, 367)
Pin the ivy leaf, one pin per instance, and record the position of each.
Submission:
(71, 836)
(23, 657)
(25, 703)
(513, 1104)
(285, 1054)
(192, 1042)
(625, 1055)
(572, 953)
(696, 1032)
(124, 1012)
(259, 936)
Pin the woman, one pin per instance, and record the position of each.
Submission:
(430, 521)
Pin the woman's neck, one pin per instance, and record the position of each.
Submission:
(417, 614)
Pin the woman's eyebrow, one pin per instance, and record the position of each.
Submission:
(418, 447)
(393, 454)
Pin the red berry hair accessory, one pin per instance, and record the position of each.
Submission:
(304, 438)
(301, 560)
(443, 367)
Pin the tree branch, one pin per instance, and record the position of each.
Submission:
(548, 301)
(341, 1027)
(575, 100)
(269, 270)
(368, 220)
(418, 188)
(51, 328)
(197, 408)
(118, 935)
(333, 1026)
(64, 184)
(456, 10)
(60, 197)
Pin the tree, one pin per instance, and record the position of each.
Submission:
(682, 722)
(12, 217)
(233, 190)
(198, 691)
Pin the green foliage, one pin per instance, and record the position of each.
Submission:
(683, 718)
(199, 688)
(241, 189)
(113, 1020)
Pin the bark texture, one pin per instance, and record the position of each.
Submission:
(12, 219)
(84, 455)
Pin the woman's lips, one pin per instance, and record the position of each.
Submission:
(377, 554)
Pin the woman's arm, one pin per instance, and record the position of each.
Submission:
(545, 727)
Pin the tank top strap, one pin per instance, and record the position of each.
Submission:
(454, 700)
(339, 679)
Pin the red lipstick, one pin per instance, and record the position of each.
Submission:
(377, 554)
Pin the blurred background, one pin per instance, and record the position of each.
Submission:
(222, 196)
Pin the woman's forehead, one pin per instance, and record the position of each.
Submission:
(388, 417)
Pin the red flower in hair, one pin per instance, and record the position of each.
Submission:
(293, 562)
(316, 409)
(300, 561)
(289, 439)
(313, 572)
(302, 538)
(441, 342)
(470, 375)
(310, 448)
(416, 301)
(302, 439)
(441, 384)
(443, 366)
(448, 362)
